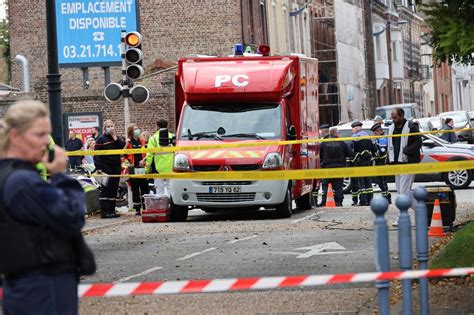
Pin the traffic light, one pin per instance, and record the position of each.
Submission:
(113, 92)
(134, 55)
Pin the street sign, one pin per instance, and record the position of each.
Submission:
(82, 123)
(89, 31)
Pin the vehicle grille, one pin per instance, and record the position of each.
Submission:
(206, 168)
(245, 167)
(239, 197)
(227, 183)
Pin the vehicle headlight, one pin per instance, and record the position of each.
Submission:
(272, 160)
(181, 162)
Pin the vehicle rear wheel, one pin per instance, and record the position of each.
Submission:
(285, 209)
(178, 213)
(459, 179)
(306, 202)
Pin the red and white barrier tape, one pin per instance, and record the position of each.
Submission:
(244, 284)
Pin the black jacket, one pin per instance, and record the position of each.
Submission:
(40, 222)
(334, 154)
(109, 164)
(414, 143)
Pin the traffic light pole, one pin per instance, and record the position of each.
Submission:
(54, 78)
(125, 87)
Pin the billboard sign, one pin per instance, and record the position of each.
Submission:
(82, 123)
(89, 30)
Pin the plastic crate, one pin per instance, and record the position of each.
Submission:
(153, 202)
(156, 208)
(447, 203)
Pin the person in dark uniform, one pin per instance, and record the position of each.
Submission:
(380, 158)
(111, 165)
(41, 221)
(334, 154)
(74, 144)
(139, 185)
(323, 134)
(363, 156)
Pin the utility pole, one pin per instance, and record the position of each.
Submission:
(370, 59)
(388, 36)
(54, 78)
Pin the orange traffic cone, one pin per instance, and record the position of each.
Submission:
(330, 203)
(436, 227)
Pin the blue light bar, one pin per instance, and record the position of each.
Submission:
(239, 50)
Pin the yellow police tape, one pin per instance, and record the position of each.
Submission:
(360, 171)
(245, 144)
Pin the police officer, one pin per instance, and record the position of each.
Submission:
(41, 221)
(363, 156)
(333, 154)
(380, 158)
(323, 134)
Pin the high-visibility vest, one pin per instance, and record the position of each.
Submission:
(163, 161)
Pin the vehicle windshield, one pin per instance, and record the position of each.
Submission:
(456, 116)
(231, 121)
(385, 113)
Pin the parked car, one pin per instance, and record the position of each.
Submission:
(411, 110)
(434, 149)
(430, 123)
(462, 120)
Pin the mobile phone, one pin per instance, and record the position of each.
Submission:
(50, 154)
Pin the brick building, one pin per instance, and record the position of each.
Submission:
(201, 27)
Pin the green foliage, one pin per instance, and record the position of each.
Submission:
(5, 45)
(460, 252)
(452, 25)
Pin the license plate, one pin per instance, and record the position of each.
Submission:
(224, 189)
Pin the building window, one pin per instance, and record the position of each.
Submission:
(378, 48)
(275, 26)
(394, 51)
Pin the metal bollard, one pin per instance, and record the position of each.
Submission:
(404, 248)
(421, 222)
(379, 207)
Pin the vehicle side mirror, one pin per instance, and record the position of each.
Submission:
(291, 133)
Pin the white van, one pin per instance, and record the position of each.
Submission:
(411, 110)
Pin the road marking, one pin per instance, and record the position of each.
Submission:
(307, 217)
(198, 253)
(139, 274)
(319, 249)
(242, 239)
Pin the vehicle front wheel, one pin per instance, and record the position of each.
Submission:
(459, 179)
(285, 209)
(178, 213)
(305, 202)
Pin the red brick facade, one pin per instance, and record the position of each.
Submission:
(171, 29)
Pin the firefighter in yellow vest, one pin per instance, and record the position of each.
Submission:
(160, 162)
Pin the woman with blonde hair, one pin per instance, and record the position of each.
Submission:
(41, 221)
(111, 165)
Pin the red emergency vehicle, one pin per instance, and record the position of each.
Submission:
(238, 100)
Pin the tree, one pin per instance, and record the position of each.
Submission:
(452, 25)
(5, 46)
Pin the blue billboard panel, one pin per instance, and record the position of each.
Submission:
(89, 30)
